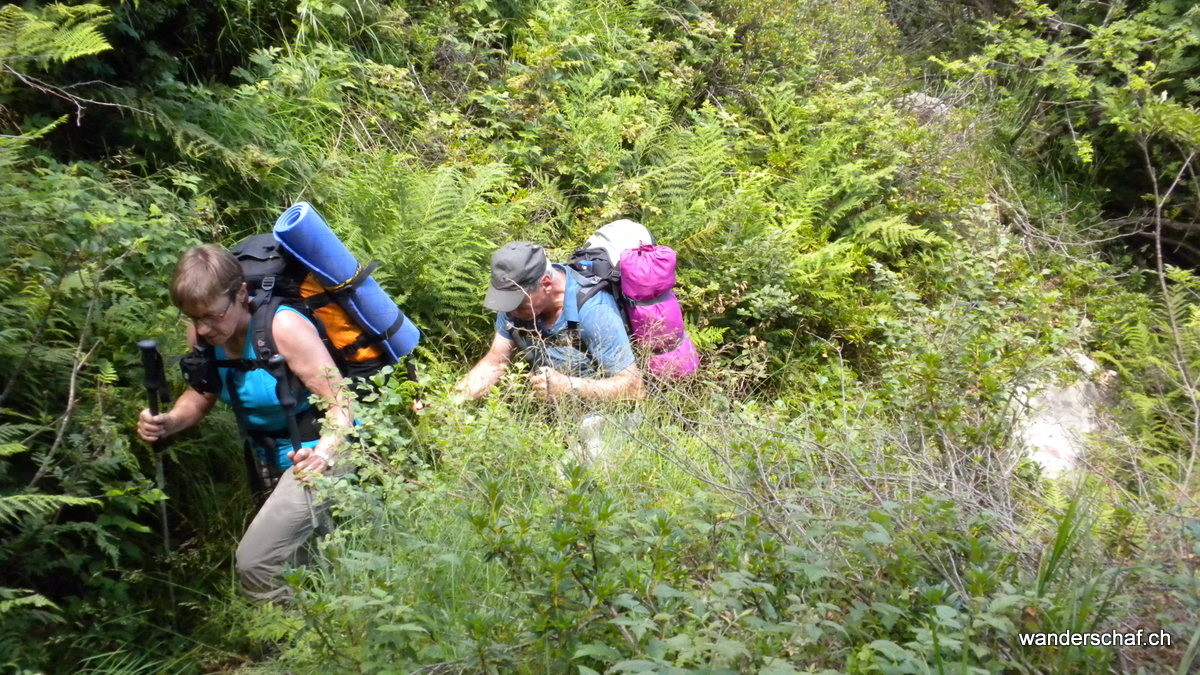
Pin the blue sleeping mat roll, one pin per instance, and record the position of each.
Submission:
(304, 234)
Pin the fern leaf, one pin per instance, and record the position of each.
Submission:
(57, 33)
(19, 598)
(13, 507)
(889, 235)
(10, 432)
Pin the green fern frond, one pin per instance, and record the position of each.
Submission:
(689, 184)
(13, 507)
(195, 141)
(438, 195)
(889, 235)
(1137, 336)
(822, 268)
(20, 598)
(804, 204)
(485, 180)
(658, 121)
(57, 33)
(700, 237)
(8, 144)
(9, 433)
(106, 373)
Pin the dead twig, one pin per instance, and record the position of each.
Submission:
(61, 92)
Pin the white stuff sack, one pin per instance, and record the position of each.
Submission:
(619, 236)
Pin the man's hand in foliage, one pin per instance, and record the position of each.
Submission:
(549, 383)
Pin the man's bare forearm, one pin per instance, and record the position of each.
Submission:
(622, 386)
(480, 380)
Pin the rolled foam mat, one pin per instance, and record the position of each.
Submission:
(304, 234)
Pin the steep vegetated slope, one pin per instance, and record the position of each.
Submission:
(873, 277)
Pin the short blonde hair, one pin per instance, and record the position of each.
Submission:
(202, 275)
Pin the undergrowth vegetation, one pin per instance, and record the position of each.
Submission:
(876, 279)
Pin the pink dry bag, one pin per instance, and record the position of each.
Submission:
(655, 317)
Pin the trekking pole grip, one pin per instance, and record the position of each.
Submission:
(152, 374)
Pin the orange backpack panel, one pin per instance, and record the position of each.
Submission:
(339, 327)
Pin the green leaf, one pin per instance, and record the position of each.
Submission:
(665, 591)
(891, 650)
(878, 536)
(730, 649)
(634, 666)
(775, 666)
(123, 523)
(597, 650)
(815, 573)
(402, 628)
(1004, 603)
(945, 613)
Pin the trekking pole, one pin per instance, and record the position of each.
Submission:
(158, 391)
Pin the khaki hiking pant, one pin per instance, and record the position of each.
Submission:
(276, 535)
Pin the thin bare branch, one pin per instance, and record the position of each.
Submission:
(61, 92)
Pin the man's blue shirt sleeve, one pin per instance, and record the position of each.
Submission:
(603, 334)
(502, 325)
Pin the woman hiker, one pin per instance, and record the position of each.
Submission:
(208, 287)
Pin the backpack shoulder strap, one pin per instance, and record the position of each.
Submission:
(262, 335)
(589, 286)
(262, 329)
(590, 292)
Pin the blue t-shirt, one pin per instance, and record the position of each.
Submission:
(260, 404)
(606, 349)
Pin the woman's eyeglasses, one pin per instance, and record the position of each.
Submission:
(210, 320)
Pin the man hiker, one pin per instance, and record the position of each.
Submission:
(572, 349)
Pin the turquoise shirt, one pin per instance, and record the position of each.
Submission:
(256, 391)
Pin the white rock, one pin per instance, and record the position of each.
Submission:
(1056, 424)
(924, 107)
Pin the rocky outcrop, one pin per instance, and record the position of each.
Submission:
(1054, 428)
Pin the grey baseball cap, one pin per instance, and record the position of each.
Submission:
(516, 268)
